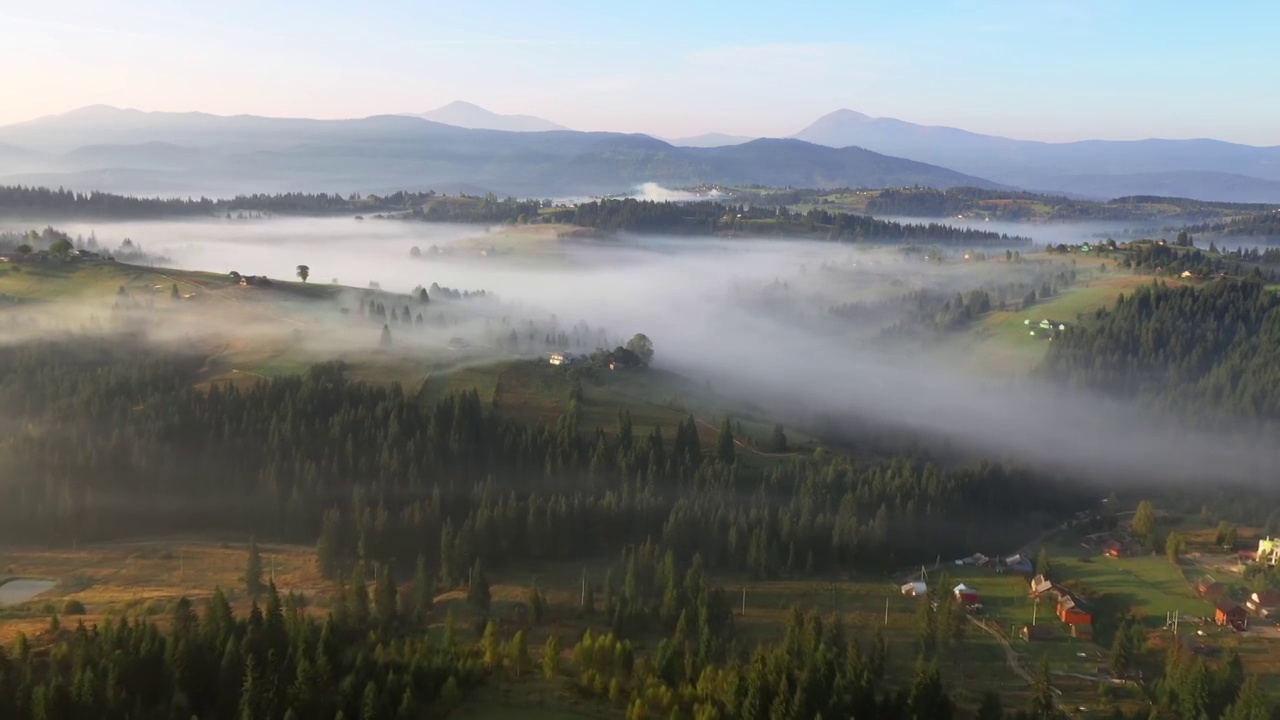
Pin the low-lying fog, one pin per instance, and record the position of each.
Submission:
(686, 295)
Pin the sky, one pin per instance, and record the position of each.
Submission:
(1053, 70)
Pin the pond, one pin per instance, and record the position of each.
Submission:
(20, 591)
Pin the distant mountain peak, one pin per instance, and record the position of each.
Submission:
(460, 113)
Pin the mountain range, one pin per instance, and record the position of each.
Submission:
(461, 147)
(131, 151)
(1202, 169)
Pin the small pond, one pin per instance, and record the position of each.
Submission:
(20, 591)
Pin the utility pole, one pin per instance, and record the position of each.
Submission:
(582, 602)
(886, 612)
(182, 563)
(744, 601)
(1034, 608)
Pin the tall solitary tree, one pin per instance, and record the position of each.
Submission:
(642, 346)
(385, 340)
(253, 570)
(422, 591)
(1144, 520)
(304, 272)
(478, 589)
(724, 446)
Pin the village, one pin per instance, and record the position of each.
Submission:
(1091, 584)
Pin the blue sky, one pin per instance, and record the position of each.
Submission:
(1038, 69)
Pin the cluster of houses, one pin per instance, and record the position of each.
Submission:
(1046, 328)
(1228, 613)
(965, 595)
(1070, 608)
(619, 359)
(44, 256)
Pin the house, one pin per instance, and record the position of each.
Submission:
(1186, 274)
(1228, 614)
(457, 344)
(967, 595)
(1082, 632)
(1040, 585)
(1017, 564)
(559, 358)
(254, 281)
(1073, 611)
(1269, 550)
(914, 589)
(1210, 589)
(1264, 603)
(1113, 549)
(1035, 632)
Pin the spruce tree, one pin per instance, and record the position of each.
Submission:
(385, 597)
(551, 657)
(253, 570)
(422, 592)
(725, 450)
(478, 590)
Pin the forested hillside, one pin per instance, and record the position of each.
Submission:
(392, 477)
(1201, 350)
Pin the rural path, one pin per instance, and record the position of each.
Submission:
(1011, 656)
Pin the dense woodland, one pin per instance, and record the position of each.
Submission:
(1015, 206)
(606, 215)
(708, 217)
(1264, 224)
(1207, 350)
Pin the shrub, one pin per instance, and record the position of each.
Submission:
(73, 607)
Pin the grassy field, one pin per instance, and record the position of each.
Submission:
(142, 578)
(1000, 342)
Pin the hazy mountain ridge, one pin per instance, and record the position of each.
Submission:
(473, 117)
(202, 153)
(1202, 168)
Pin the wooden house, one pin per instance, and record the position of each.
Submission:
(1073, 611)
(1230, 615)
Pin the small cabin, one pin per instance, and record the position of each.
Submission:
(967, 595)
(559, 358)
(1230, 615)
(915, 589)
(457, 344)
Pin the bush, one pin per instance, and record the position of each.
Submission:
(73, 607)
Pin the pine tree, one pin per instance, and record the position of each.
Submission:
(489, 646)
(1041, 705)
(422, 592)
(537, 608)
(385, 597)
(1144, 520)
(358, 598)
(725, 450)
(1043, 564)
(990, 708)
(551, 657)
(518, 653)
(328, 546)
(478, 590)
(253, 570)
(385, 339)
